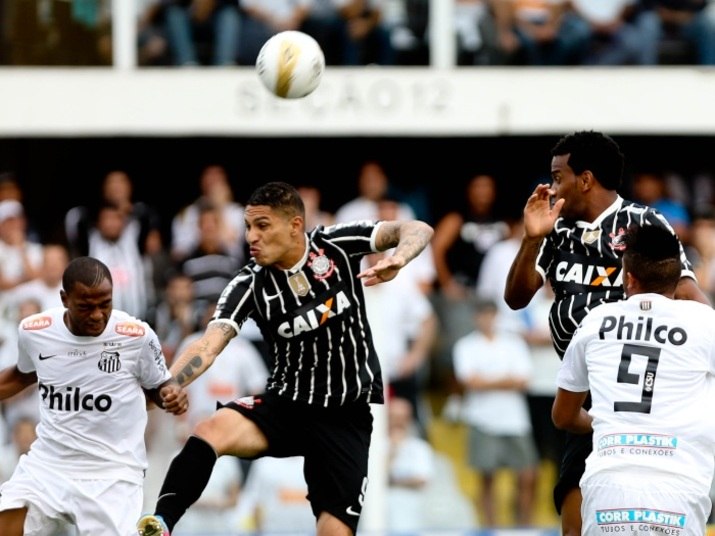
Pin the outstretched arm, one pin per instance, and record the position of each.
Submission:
(539, 217)
(12, 381)
(408, 238)
(201, 354)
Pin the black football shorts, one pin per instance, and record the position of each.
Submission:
(334, 441)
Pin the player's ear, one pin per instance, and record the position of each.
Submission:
(629, 283)
(297, 225)
(586, 180)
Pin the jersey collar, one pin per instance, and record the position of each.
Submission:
(595, 224)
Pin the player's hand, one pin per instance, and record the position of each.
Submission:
(385, 269)
(539, 215)
(175, 399)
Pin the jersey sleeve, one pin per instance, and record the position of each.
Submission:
(24, 361)
(355, 238)
(573, 375)
(152, 363)
(236, 301)
(544, 258)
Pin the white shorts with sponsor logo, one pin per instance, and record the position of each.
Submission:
(94, 506)
(641, 507)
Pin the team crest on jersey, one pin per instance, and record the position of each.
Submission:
(130, 329)
(109, 362)
(617, 243)
(321, 265)
(37, 322)
(589, 237)
(646, 305)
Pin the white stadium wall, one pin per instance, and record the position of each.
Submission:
(373, 101)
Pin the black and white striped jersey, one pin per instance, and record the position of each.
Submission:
(313, 318)
(583, 263)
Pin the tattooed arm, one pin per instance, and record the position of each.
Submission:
(408, 238)
(201, 354)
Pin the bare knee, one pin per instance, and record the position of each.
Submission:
(229, 432)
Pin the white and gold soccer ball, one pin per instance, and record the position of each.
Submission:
(291, 64)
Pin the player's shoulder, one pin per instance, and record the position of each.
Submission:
(354, 227)
(41, 322)
(123, 324)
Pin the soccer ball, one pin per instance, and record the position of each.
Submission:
(290, 64)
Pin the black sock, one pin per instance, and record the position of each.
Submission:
(186, 479)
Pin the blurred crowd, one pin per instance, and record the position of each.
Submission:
(365, 32)
(452, 350)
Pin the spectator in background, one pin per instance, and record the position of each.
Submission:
(264, 18)
(20, 257)
(215, 189)
(619, 33)
(461, 239)
(314, 214)
(176, 317)
(691, 21)
(494, 369)
(22, 436)
(531, 323)
(404, 328)
(45, 288)
(142, 221)
(407, 21)
(152, 43)
(210, 265)
(702, 234)
(373, 185)
(202, 32)
(114, 240)
(469, 18)
(652, 188)
(23, 404)
(10, 189)
(411, 467)
(538, 32)
(368, 39)
(326, 22)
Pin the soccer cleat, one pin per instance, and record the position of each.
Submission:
(152, 525)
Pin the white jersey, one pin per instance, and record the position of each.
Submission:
(92, 408)
(649, 363)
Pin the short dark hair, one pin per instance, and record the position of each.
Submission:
(85, 270)
(595, 152)
(652, 255)
(280, 196)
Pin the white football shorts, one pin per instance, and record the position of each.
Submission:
(641, 508)
(94, 506)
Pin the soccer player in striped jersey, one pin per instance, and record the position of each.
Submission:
(305, 292)
(648, 362)
(573, 233)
